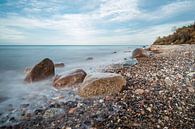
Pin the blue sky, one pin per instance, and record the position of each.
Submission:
(91, 22)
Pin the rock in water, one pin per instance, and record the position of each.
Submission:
(101, 84)
(70, 79)
(140, 52)
(59, 65)
(41, 71)
(53, 112)
(89, 58)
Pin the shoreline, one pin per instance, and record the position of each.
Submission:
(159, 94)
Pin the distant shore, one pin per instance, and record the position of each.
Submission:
(159, 94)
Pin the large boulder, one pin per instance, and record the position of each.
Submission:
(40, 71)
(69, 79)
(101, 84)
(140, 52)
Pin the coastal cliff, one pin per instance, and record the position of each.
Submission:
(183, 35)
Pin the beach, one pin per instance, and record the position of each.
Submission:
(159, 94)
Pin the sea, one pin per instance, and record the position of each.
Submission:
(14, 59)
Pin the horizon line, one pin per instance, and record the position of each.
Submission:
(73, 45)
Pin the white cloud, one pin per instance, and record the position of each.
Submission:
(172, 9)
(83, 27)
(119, 10)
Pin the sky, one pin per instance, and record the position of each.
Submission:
(91, 22)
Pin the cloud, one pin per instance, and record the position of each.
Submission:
(119, 10)
(87, 21)
(172, 9)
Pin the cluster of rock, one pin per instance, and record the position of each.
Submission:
(89, 85)
(184, 35)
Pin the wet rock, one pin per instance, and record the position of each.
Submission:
(89, 58)
(24, 105)
(101, 83)
(72, 104)
(41, 71)
(39, 111)
(2, 98)
(53, 112)
(70, 79)
(59, 65)
(58, 97)
(140, 52)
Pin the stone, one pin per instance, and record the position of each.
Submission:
(191, 74)
(149, 109)
(41, 71)
(101, 84)
(168, 81)
(140, 52)
(190, 89)
(69, 79)
(139, 91)
(89, 58)
(72, 110)
(59, 65)
(53, 112)
(192, 68)
(101, 100)
(3, 98)
(155, 49)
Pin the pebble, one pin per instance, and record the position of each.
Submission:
(53, 112)
(101, 100)
(190, 89)
(72, 110)
(168, 81)
(139, 91)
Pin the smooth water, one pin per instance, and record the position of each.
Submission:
(14, 60)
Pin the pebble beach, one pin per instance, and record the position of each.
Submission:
(159, 94)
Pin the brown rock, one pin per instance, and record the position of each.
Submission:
(69, 79)
(101, 84)
(72, 110)
(155, 49)
(140, 52)
(41, 71)
(59, 65)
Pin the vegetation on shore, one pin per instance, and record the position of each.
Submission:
(183, 35)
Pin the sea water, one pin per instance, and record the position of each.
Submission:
(14, 59)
